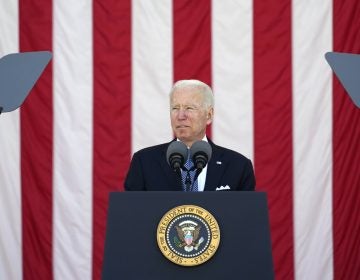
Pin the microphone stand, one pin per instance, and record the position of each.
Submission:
(188, 184)
(178, 173)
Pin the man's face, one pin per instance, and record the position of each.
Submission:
(189, 116)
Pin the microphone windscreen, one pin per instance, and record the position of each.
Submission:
(201, 147)
(176, 147)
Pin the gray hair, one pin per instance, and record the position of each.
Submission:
(203, 88)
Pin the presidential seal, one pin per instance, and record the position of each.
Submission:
(188, 235)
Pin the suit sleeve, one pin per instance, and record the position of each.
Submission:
(135, 178)
(248, 182)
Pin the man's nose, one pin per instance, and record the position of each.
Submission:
(182, 114)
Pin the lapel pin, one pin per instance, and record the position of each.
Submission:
(219, 162)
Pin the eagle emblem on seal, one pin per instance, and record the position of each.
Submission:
(188, 236)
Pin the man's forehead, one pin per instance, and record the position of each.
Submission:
(187, 95)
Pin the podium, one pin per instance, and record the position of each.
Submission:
(132, 251)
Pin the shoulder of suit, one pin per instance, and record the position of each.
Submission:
(152, 149)
(228, 153)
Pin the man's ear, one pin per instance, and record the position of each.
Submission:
(210, 116)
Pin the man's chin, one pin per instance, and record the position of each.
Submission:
(182, 137)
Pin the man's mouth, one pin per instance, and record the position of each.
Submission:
(182, 126)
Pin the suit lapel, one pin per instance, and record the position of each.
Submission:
(215, 169)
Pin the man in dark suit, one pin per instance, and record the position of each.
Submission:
(191, 111)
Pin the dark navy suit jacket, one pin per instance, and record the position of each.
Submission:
(149, 171)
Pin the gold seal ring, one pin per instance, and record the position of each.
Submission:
(188, 235)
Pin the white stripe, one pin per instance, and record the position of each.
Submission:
(232, 58)
(152, 72)
(10, 184)
(312, 124)
(73, 97)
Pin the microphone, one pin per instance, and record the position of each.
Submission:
(200, 152)
(176, 154)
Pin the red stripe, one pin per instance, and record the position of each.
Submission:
(192, 41)
(112, 116)
(346, 152)
(273, 124)
(36, 147)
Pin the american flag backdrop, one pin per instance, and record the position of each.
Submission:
(105, 95)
